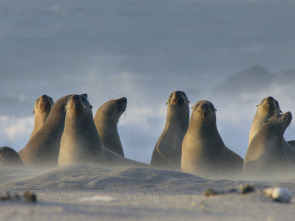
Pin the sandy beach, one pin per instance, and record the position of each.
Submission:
(84, 192)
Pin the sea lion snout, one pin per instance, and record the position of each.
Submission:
(122, 104)
(269, 100)
(123, 99)
(204, 109)
(44, 103)
(287, 116)
(177, 101)
(44, 97)
(178, 98)
(75, 103)
(271, 104)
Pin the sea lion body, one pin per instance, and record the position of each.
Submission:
(43, 148)
(167, 152)
(78, 138)
(267, 108)
(268, 154)
(41, 111)
(80, 142)
(9, 158)
(203, 151)
(106, 120)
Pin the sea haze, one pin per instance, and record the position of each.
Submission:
(233, 53)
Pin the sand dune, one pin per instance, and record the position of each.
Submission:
(86, 192)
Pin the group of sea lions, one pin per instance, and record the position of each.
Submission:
(65, 132)
(195, 145)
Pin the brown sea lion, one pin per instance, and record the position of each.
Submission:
(9, 158)
(267, 108)
(167, 152)
(43, 148)
(80, 142)
(203, 151)
(269, 155)
(106, 120)
(41, 111)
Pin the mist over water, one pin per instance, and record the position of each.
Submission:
(233, 53)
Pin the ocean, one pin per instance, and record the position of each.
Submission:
(233, 53)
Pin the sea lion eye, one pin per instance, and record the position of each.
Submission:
(37, 100)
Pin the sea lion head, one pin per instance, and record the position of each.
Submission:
(269, 107)
(279, 123)
(121, 105)
(113, 109)
(204, 110)
(43, 103)
(78, 105)
(178, 98)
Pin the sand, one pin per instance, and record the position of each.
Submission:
(83, 192)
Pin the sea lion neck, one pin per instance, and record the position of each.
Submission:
(205, 129)
(177, 116)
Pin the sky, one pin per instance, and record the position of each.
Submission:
(233, 53)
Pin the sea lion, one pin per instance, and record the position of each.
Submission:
(267, 108)
(106, 121)
(80, 141)
(167, 152)
(41, 111)
(9, 158)
(203, 151)
(268, 154)
(43, 148)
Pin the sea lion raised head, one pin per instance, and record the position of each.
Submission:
(43, 103)
(204, 111)
(106, 120)
(267, 108)
(203, 151)
(41, 111)
(167, 152)
(268, 154)
(113, 109)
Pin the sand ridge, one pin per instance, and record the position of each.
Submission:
(90, 192)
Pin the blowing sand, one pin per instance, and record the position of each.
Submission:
(83, 192)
